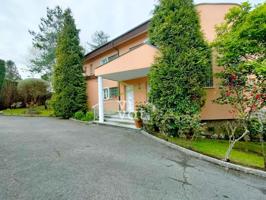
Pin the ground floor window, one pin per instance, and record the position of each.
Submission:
(109, 93)
(106, 94)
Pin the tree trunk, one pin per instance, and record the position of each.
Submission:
(231, 145)
(229, 150)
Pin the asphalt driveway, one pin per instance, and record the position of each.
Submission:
(52, 159)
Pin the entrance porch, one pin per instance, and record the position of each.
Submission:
(130, 71)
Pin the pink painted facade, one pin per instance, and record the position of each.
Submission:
(125, 62)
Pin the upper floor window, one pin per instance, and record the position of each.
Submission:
(108, 59)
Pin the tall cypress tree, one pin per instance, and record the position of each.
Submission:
(2, 73)
(178, 75)
(68, 81)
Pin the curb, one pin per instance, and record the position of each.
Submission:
(82, 122)
(115, 125)
(200, 156)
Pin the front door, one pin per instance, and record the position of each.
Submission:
(130, 98)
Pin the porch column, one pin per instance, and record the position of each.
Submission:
(100, 99)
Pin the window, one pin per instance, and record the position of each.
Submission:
(104, 61)
(106, 94)
(108, 59)
(113, 92)
(109, 93)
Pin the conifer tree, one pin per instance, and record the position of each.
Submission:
(68, 81)
(2, 73)
(181, 71)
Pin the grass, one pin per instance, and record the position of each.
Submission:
(40, 111)
(244, 153)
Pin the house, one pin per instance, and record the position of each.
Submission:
(116, 73)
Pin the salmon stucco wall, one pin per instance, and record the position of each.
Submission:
(140, 90)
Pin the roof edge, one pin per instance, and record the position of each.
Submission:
(218, 3)
(111, 41)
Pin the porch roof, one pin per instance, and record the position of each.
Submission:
(131, 65)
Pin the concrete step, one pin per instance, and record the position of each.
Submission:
(117, 125)
(117, 116)
(120, 121)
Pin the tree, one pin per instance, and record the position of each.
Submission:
(12, 71)
(180, 72)
(44, 41)
(32, 89)
(9, 94)
(99, 38)
(241, 49)
(2, 73)
(68, 81)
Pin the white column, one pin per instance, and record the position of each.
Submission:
(100, 99)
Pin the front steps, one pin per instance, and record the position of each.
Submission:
(117, 121)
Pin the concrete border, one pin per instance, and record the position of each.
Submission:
(82, 122)
(200, 156)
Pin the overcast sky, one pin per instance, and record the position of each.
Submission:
(112, 16)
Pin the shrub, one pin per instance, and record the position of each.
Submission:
(170, 123)
(89, 116)
(32, 89)
(9, 94)
(79, 115)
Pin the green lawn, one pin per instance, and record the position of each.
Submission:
(23, 112)
(244, 153)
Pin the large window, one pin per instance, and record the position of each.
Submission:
(109, 93)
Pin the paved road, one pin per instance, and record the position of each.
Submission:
(52, 159)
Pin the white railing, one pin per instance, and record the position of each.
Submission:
(113, 107)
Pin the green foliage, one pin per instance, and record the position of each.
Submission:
(241, 48)
(32, 89)
(244, 153)
(44, 41)
(68, 81)
(12, 71)
(241, 51)
(99, 38)
(170, 123)
(88, 116)
(241, 38)
(2, 73)
(178, 75)
(79, 115)
(181, 71)
(9, 94)
(36, 111)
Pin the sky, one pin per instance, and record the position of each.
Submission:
(112, 16)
